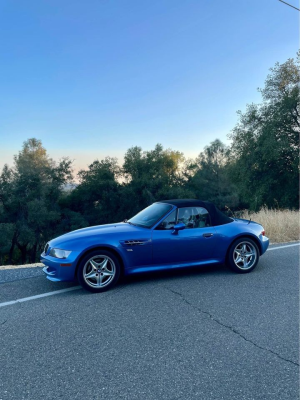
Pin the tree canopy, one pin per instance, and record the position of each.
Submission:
(265, 142)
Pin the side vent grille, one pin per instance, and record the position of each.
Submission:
(134, 242)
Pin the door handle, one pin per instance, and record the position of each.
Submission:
(207, 234)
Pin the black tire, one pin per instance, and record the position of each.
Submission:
(235, 254)
(86, 269)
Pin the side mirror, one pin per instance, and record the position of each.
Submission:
(178, 227)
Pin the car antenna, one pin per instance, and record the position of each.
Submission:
(249, 221)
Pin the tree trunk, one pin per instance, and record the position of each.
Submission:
(23, 250)
(33, 253)
(23, 254)
(12, 247)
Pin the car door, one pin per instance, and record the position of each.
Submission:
(194, 243)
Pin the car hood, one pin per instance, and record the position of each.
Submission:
(94, 231)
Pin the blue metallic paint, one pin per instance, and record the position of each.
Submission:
(160, 249)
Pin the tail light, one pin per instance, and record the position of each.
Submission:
(263, 232)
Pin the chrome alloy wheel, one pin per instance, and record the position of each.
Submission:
(99, 271)
(244, 255)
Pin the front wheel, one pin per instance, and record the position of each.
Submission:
(243, 255)
(98, 271)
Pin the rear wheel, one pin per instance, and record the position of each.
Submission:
(98, 271)
(243, 255)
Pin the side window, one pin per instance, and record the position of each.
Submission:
(168, 223)
(194, 217)
(202, 218)
(185, 215)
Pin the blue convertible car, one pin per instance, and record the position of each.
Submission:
(168, 234)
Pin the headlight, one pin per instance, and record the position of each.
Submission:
(58, 253)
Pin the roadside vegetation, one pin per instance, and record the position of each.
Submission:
(259, 172)
(280, 225)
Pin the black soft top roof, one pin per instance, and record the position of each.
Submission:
(217, 217)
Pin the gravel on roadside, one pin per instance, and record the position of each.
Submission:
(3, 267)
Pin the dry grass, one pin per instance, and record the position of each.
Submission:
(280, 225)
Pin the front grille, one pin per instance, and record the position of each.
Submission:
(46, 248)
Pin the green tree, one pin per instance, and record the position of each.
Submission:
(208, 176)
(29, 196)
(265, 143)
(150, 176)
(96, 197)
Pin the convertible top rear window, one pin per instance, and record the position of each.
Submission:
(150, 215)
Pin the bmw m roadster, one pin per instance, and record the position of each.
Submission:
(168, 234)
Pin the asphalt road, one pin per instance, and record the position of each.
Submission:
(195, 334)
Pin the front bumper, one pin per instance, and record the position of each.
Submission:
(51, 274)
(60, 270)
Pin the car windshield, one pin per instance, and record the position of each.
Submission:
(150, 215)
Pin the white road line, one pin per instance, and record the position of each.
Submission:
(283, 247)
(38, 296)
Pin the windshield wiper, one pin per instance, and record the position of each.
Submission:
(130, 223)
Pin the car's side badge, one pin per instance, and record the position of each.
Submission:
(129, 249)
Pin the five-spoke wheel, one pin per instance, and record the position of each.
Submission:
(98, 271)
(243, 255)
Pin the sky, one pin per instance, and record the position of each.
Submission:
(93, 78)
